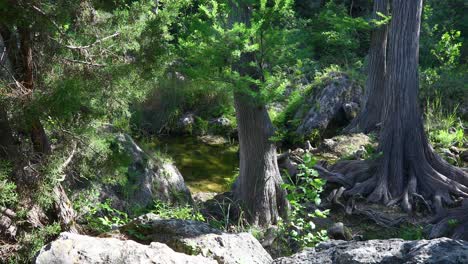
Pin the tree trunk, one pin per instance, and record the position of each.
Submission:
(408, 171)
(259, 183)
(371, 113)
(258, 187)
(38, 136)
(7, 149)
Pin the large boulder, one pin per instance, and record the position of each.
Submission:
(194, 238)
(149, 178)
(331, 106)
(71, 248)
(392, 251)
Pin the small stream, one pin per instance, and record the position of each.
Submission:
(205, 168)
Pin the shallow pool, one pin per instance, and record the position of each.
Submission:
(205, 168)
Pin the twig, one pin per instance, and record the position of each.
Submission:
(94, 43)
(67, 162)
(85, 62)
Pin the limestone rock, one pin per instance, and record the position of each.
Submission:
(345, 145)
(392, 251)
(339, 231)
(193, 237)
(151, 178)
(331, 106)
(71, 248)
(187, 120)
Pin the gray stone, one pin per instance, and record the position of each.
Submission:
(351, 110)
(193, 237)
(345, 145)
(221, 122)
(152, 178)
(325, 108)
(339, 231)
(213, 140)
(187, 119)
(71, 248)
(392, 251)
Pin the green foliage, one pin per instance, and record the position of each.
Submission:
(301, 193)
(444, 128)
(447, 50)
(411, 232)
(32, 242)
(8, 194)
(217, 45)
(185, 212)
(102, 217)
(200, 126)
(336, 37)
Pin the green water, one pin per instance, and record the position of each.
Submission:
(205, 168)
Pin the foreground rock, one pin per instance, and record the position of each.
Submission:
(393, 251)
(346, 145)
(149, 179)
(73, 248)
(330, 107)
(194, 238)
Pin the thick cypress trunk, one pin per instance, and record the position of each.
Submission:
(259, 184)
(408, 170)
(38, 136)
(371, 113)
(258, 187)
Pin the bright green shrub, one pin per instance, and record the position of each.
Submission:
(306, 189)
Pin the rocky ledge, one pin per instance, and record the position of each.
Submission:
(392, 251)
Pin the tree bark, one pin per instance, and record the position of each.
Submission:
(409, 171)
(258, 187)
(39, 138)
(259, 184)
(371, 113)
(7, 146)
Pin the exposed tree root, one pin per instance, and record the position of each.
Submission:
(429, 185)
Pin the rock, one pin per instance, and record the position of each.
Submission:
(392, 251)
(360, 153)
(454, 150)
(187, 120)
(325, 108)
(222, 126)
(213, 140)
(149, 179)
(221, 122)
(339, 231)
(193, 237)
(186, 123)
(345, 145)
(351, 110)
(201, 197)
(73, 248)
